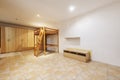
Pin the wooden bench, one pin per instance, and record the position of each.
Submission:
(78, 54)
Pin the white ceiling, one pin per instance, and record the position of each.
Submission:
(25, 11)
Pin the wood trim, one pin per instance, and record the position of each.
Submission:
(44, 41)
(18, 50)
(0, 39)
(34, 44)
(52, 44)
(58, 40)
(16, 25)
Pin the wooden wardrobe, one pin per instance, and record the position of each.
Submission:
(16, 39)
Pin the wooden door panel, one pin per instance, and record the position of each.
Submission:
(30, 38)
(18, 43)
(24, 40)
(10, 39)
(16, 39)
(3, 39)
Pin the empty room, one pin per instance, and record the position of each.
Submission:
(59, 39)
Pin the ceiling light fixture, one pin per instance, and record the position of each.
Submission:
(72, 8)
(38, 15)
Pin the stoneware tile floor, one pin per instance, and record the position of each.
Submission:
(25, 66)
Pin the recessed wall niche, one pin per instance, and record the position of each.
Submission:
(73, 42)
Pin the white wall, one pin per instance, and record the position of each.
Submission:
(99, 32)
(52, 39)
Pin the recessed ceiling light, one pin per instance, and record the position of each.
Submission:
(72, 8)
(38, 15)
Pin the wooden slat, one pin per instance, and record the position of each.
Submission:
(58, 41)
(52, 44)
(3, 45)
(44, 41)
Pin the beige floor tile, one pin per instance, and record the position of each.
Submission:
(25, 66)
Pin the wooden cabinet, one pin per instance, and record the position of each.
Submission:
(10, 39)
(24, 38)
(30, 38)
(78, 54)
(16, 39)
(3, 39)
(0, 39)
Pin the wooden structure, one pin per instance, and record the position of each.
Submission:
(15, 38)
(78, 54)
(42, 38)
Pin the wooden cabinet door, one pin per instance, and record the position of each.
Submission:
(30, 38)
(0, 39)
(9, 39)
(18, 39)
(24, 39)
(3, 39)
